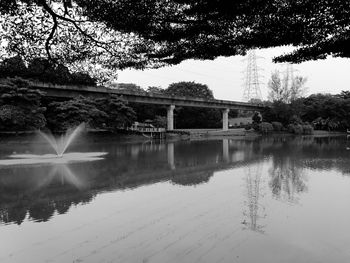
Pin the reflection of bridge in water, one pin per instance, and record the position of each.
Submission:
(40, 191)
(25, 189)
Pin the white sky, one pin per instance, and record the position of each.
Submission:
(225, 77)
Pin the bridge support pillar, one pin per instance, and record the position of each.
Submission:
(170, 117)
(225, 119)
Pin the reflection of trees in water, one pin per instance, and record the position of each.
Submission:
(14, 214)
(39, 192)
(36, 193)
(287, 179)
(254, 209)
(39, 206)
(193, 178)
(291, 155)
(41, 211)
(52, 191)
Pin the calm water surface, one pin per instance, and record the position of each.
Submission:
(258, 200)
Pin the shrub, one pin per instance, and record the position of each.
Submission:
(295, 119)
(277, 126)
(295, 128)
(160, 121)
(256, 117)
(265, 127)
(247, 127)
(290, 128)
(308, 129)
(256, 126)
(116, 113)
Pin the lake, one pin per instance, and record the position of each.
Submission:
(267, 199)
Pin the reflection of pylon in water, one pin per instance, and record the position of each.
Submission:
(253, 184)
(252, 78)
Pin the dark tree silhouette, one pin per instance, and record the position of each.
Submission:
(187, 117)
(20, 106)
(118, 113)
(189, 89)
(138, 33)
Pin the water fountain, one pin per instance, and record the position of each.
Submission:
(59, 145)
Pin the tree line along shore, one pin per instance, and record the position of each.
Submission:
(23, 108)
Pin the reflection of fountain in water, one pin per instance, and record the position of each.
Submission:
(66, 175)
(60, 146)
(253, 184)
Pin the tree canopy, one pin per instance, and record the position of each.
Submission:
(110, 113)
(191, 117)
(42, 69)
(189, 89)
(142, 33)
(286, 89)
(20, 106)
(323, 111)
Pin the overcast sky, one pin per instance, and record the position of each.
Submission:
(224, 75)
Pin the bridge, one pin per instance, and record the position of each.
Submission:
(72, 91)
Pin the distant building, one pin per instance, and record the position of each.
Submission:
(239, 122)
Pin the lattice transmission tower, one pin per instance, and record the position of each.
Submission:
(252, 78)
(288, 76)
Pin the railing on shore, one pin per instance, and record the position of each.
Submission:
(146, 130)
(149, 132)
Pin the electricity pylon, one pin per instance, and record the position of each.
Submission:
(288, 76)
(252, 78)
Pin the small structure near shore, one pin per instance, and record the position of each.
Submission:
(148, 130)
(239, 122)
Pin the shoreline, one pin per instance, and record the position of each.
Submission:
(176, 135)
(194, 133)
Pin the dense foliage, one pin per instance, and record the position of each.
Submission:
(109, 113)
(189, 89)
(67, 114)
(117, 114)
(323, 111)
(43, 70)
(20, 106)
(287, 88)
(186, 117)
(138, 33)
(21, 109)
(148, 111)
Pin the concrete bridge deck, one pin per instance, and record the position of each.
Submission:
(72, 91)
